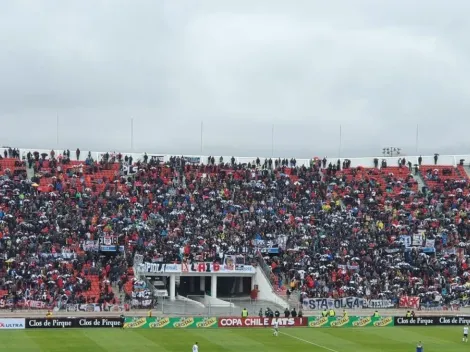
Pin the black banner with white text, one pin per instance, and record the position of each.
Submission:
(432, 321)
(61, 323)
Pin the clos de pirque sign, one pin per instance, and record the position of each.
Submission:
(58, 323)
(437, 320)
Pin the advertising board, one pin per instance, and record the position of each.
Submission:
(170, 323)
(12, 324)
(61, 323)
(349, 322)
(432, 321)
(259, 322)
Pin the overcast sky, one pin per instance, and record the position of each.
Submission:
(375, 68)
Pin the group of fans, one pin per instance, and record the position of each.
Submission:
(326, 230)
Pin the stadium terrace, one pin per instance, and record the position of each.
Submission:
(377, 229)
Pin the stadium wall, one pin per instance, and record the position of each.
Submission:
(265, 289)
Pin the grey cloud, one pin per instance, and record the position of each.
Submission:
(377, 69)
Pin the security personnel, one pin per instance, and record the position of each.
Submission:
(345, 314)
(376, 314)
(149, 314)
(408, 314)
(49, 314)
(277, 314)
(332, 313)
(324, 313)
(287, 313)
(245, 313)
(293, 313)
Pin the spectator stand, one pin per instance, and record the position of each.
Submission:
(357, 230)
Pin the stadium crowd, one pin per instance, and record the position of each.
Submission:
(338, 231)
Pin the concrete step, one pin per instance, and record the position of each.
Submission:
(117, 295)
(29, 172)
(420, 180)
(467, 170)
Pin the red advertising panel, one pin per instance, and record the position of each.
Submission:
(257, 322)
(411, 302)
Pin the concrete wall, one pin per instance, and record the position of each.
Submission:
(266, 292)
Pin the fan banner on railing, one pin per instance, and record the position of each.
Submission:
(345, 303)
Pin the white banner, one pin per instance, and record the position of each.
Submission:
(12, 324)
(159, 268)
(417, 240)
(349, 267)
(142, 303)
(196, 267)
(430, 243)
(88, 307)
(217, 268)
(406, 240)
(160, 158)
(345, 303)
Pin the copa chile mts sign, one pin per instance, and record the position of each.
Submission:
(259, 322)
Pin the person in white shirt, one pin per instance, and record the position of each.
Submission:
(196, 347)
(465, 334)
(276, 327)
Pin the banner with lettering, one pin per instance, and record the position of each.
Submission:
(159, 268)
(430, 243)
(346, 303)
(192, 159)
(24, 303)
(170, 323)
(411, 302)
(406, 240)
(417, 240)
(349, 322)
(201, 267)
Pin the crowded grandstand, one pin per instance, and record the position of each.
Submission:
(71, 225)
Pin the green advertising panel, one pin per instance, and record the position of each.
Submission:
(170, 323)
(349, 322)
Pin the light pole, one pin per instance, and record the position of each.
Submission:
(391, 151)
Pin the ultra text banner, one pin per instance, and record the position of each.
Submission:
(12, 323)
